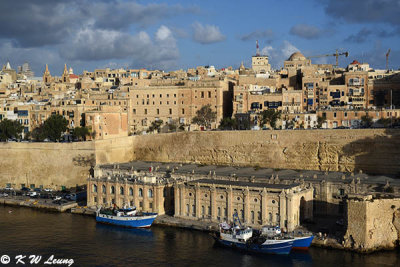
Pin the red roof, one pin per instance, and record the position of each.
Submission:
(355, 62)
(73, 76)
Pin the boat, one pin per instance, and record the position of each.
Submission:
(244, 238)
(301, 241)
(126, 217)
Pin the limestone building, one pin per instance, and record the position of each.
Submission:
(256, 203)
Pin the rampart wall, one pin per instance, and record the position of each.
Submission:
(56, 164)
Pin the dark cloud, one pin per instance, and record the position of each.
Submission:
(306, 31)
(109, 44)
(360, 11)
(257, 35)
(84, 32)
(359, 37)
(46, 22)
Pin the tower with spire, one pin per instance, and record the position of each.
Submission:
(65, 75)
(47, 76)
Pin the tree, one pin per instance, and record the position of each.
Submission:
(320, 121)
(228, 124)
(205, 116)
(38, 134)
(270, 116)
(10, 129)
(155, 126)
(172, 126)
(54, 126)
(366, 121)
(80, 133)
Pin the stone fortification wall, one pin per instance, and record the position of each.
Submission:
(374, 151)
(372, 224)
(47, 164)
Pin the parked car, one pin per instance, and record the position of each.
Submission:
(33, 194)
(48, 190)
(71, 197)
(37, 190)
(25, 189)
(57, 198)
(9, 188)
(3, 195)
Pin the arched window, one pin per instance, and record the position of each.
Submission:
(270, 217)
(121, 190)
(95, 188)
(112, 189)
(130, 191)
(140, 192)
(150, 193)
(104, 189)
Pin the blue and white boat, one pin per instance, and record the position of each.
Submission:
(242, 238)
(126, 217)
(301, 241)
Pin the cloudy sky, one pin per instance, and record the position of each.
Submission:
(88, 34)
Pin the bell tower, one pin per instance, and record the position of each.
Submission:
(65, 76)
(47, 75)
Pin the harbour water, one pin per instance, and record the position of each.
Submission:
(27, 232)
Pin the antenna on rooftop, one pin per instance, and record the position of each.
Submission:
(387, 59)
(257, 49)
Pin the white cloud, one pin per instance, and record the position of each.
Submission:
(207, 34)
(279, 54)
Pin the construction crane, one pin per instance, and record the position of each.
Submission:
(337, 54)
(387, 59)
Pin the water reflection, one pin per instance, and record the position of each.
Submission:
(26, 231)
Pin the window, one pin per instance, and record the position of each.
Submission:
(183, 111)
(270, 217)
(95, 199)
(209, 94)
(134, 111)
(151, 205)
(202, 94)
(131, 191)
(140, 192)
(95, 189)
(194, 210)
(170, 111)
(150, 193)
(145, 111)
(187, 209)
(158, 111)
(121, 190)
(104, 200)
(112, 189)
(104, 189)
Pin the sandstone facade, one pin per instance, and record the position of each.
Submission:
(372, 151)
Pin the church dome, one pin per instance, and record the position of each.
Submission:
(297, 56)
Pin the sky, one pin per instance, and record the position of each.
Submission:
(178, 34)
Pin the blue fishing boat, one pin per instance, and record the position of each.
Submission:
(243, 238)
(126, 217)
(301, 241)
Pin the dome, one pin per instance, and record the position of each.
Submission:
(297, 56)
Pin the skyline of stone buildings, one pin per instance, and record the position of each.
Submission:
(121, 102)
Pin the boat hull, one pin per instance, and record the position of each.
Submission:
(281, 248)
(302, 243)
(144, 221)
